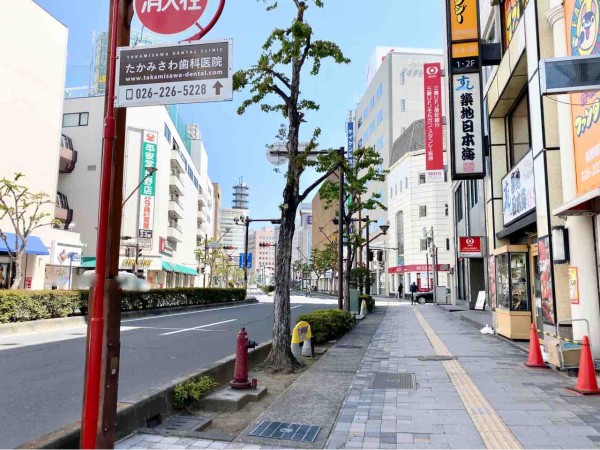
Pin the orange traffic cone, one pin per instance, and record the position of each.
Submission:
(586, 380)
(535, 354)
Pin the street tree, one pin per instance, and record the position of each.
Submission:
(25, 211)
(365, 169)
(323, 260)
(211, 256)
(274, 83)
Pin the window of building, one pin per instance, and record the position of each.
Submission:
(402, 105)
(406, 183)
(365, 113)
(422, 179)
(359, 122)
(379, 145)
(458, 204)
(423, 244)
(380, 116)
(473, 193)
(447, 244)
(379, 91)
(167, 133)
(518, 128)
(372, 128)
(76, 119)
(403, 77)
(446, 209)
(391, 192)
(400, 232)
(371, 103)
(423, 211)
(396, 188)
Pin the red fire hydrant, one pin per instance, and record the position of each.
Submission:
(240, 374)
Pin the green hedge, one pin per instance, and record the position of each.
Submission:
(370, 302)
(328, 324)
(25, 305)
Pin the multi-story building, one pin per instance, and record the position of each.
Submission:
(393, 100)
(324, 233)
(235, 237)
(261, 244)
(162, 219)
(31, 104)
(415, 205)
(216, 210)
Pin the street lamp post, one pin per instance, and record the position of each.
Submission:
(430, 236)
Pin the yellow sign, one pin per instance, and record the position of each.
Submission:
(583, 39)
(513, 11)
(463, 20)
(131, 262)
(574, 285)
(465, 50)
(301, 332)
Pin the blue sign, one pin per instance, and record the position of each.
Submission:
(350, 132)
(242, 260)
(249, 260)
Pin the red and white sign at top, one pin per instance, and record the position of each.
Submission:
(470, 247)
(434, 150)
(169, 16)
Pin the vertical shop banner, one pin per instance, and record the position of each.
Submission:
(467, 140)
(546, 284)
(492, 281)
(583, 39)
(434, 150)
(463, 20)
(350, 136)
(574, 285)
(148, 188)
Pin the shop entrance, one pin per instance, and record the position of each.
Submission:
(536, 290)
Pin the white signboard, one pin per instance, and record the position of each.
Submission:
(480, 304)
(468, 138)
(65, 255)
(174, 73)
(148, 187)
(518, 190)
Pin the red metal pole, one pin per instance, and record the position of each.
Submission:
(91, 397)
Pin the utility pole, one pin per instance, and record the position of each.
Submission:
(205, 259)
(99, 411)
(368, 286)
(247, 223)
(341, 236)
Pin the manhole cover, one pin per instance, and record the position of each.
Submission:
(181, 423)
(286, 431)
(436, 358)
(402, 380)
(348, 346)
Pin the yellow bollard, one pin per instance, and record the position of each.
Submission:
(302, 333)
(363, 308)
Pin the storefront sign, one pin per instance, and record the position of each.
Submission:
(463, 20)
(574, 285)
(164, 247)
(65, 255)
(418, 268)
(174, 73)
(27, 283)
(546, 284)
(350, 136)
(480, 303)
(169, 16)
(141, 263)
(467, 142)
(518, 190)
(470, 247)
(513, 11)
(434, 150)
(148, 188)
(308, 220)
(583, 37)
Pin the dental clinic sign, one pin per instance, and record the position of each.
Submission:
(148, 188)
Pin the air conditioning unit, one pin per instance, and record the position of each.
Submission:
(569, 74)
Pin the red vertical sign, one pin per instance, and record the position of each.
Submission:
(434, 151)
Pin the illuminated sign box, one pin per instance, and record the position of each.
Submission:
(570, 74)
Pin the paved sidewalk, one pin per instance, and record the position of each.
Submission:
(484, 398)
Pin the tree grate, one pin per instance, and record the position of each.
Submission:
(348, 346)
(181, 423)
(401, 380)
(436, 358)
(286, 431)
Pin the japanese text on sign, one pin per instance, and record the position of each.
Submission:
(148, 188)
(434, 150)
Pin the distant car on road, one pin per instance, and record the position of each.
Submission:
(425, 297)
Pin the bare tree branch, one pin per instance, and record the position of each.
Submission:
(317, 182)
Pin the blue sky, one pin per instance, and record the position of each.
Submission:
(236, 144)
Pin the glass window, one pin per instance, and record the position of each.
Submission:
(518, 282)
(391, 192)
(371, 103)
(423, 211)
(406, 183)
(447, 244)
(402, 105)
(380, 117)
(83, 119)
(422, 179)
(396, 188)
(379, 91)
(403, 77)
(518, 127)
(379, 145)
(458, 203)
(75, 119)
(502, 282)
(446, 209)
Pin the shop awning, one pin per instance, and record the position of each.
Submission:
(172, 267)
(34, 245)
(587, 204)
(88, 262)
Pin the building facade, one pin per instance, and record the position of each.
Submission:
(32, 113)
(262, 246)
(163, 219)
(324, 234)
(393, 100)
(414, 205)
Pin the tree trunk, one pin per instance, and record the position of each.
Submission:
(347, 281)
(18, 270)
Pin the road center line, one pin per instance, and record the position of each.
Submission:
(297, 306)
(190, 312)
(493, 430)
(198, 328)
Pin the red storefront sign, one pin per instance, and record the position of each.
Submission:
(434, 150)
(470, 247)
(169, 16)
(418, 268)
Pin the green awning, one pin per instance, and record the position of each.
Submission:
(172, 267)
(88, 262)
(167, 266)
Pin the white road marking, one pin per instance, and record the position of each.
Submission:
(297, 306)
(190, 312)
(198, 328)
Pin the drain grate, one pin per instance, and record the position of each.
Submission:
(402, 380)
(286, 431)
(9, 344)
(436, 358)
(181, 423)
(348, 346)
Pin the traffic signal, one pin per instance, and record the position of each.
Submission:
(264, 244)
(370, 255)
(380, 255)
(228, 247)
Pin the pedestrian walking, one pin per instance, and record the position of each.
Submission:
(413, 291)
(400, 290)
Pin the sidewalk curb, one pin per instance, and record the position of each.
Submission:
(36, 326)
(135, 412)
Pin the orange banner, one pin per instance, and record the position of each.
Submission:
(463, 20)
(583, 38)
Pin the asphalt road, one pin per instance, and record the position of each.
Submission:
(41, 374)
